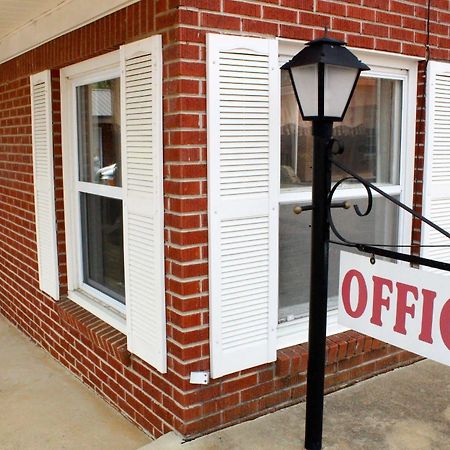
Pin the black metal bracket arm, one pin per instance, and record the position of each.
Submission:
(375, 249)
(403, 257)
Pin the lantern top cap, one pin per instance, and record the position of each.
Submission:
(326, 50)
(326, 40)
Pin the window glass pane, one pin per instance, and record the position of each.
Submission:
(98, 122)
(380, 227)
(370, 134)
(102, 238)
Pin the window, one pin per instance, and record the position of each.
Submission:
(99, 186)
(113, 197)
(96, 188)
(375, 135)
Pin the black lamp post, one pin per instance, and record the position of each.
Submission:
(324, 76)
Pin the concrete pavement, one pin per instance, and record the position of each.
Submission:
(406, 409)
(44, 407)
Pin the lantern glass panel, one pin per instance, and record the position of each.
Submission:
(306, 84)
(338, 86)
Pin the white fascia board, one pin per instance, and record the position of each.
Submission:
(66, 17)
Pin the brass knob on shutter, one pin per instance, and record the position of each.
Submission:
(297, 209)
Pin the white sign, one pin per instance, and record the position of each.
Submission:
(406, 307)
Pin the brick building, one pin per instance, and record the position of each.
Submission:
(150, 156)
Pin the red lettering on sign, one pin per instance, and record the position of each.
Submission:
(427, 315)
(445, 324)
(402, 305)
(378, 300)
(362, 293)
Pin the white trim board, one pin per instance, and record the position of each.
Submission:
(66, 17)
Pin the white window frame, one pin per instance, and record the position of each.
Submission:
(386, 65)
(98, 303)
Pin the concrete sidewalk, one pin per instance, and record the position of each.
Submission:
(44, 407)
(406, 409)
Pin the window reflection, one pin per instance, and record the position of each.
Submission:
(370, 134)
(98, 113)
(380, 227)
(102, 237)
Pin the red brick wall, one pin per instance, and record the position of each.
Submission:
(396, 26)
(160, 403)
(419, 156)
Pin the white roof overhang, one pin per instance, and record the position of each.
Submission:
(26, 24)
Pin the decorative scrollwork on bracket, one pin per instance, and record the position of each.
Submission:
(355, 207)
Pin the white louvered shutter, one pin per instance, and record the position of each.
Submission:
(44, 191)
(436, 185)
(243, 182)
(142, 156)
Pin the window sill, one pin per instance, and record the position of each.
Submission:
(296, 332)
(101, 334)
(100, 309)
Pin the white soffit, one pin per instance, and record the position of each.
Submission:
(26, 24)
(14, 14)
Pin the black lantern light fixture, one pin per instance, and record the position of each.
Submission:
(324, 76)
